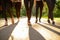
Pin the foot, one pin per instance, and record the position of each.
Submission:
(53, 23)
(18, 19)
(12, 19)
(39, 20)
(12, 22)
(49, 21)
(29, 23)
(36, 21)
(6, 24)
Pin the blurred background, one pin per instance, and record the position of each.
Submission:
(56, 11)
(45, 10)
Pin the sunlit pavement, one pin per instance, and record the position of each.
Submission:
(37, 31)
(21, 31)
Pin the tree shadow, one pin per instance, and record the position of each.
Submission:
(58, 33)
(6, 31)
(35, 35)
(53, 25)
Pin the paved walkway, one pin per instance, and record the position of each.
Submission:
(36, 31)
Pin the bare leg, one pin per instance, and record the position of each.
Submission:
(18, 7)
(11, 15)
(28, 9)
(29, 16)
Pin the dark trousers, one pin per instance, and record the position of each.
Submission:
(28, 6)
(39, 4)
(6, 6)
(18, 7)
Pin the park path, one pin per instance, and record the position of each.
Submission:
(36, 31)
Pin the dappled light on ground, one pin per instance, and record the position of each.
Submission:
(36, 31)
(21, 31)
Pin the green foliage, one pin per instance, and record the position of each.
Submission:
(23, 11)
(58, 4)
(57, 9)
(45, 11)
(33, 11)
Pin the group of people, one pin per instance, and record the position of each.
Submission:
(8, 4)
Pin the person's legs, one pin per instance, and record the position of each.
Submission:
(41, 9)
(51, 5)
(18, 7)
(52, 9)
(37, 6)
(51, 14)
(28, 9)
(31, 2)
(4, 12)
(9, 10)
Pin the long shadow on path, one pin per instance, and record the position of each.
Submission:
(34, 35)
(6, 31)
(57, 26)
(58, 33)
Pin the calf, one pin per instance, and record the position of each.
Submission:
(28, 6)
(50, 4)
(39, 3)
(6, 6)
(17, 5)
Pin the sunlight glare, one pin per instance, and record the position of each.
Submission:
(21, 30)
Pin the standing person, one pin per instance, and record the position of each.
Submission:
(17, 7)
(28, 6)
(51, 6)
(6, 7)
(39, 3)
